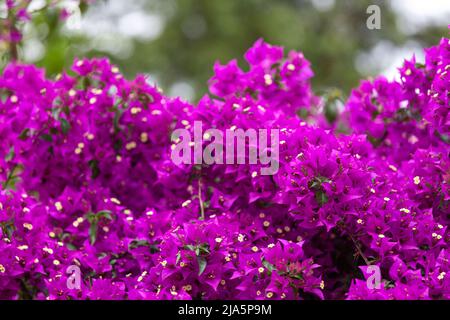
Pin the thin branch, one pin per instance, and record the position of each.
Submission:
(202, 207)
(359, 250)
(13, 51)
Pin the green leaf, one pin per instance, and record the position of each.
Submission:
(71, 247)
(93, 232)
(198, 249)
(56, 112)
(189, 247)
(11, 183)
(91, 217)
(24, 134)
(117, 145)
(315, 184)
(138, 243)
(12, 178)
(46, 137)
(93, 164)
(102, 255)
(444, 137)
(268, 265)
(146, 99)
(264, 204)
(8, 228)
(86, 82)
(10, 154)
(201, 265)
(204, 248)
(117, 115)
(331, 110)
(321, 197)
(65, 125)
(302, 113)
(297, 276)
(154, 248)
(104, 214)
(419, 65)
(389, 284)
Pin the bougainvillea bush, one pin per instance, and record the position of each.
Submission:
(88, 181)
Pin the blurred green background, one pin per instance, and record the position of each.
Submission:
(176, 42)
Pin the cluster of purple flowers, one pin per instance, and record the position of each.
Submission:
(88, 181)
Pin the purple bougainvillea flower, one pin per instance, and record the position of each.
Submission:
(88, 184)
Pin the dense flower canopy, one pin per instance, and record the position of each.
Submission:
(87, 180)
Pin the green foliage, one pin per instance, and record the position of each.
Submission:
(197, 33)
